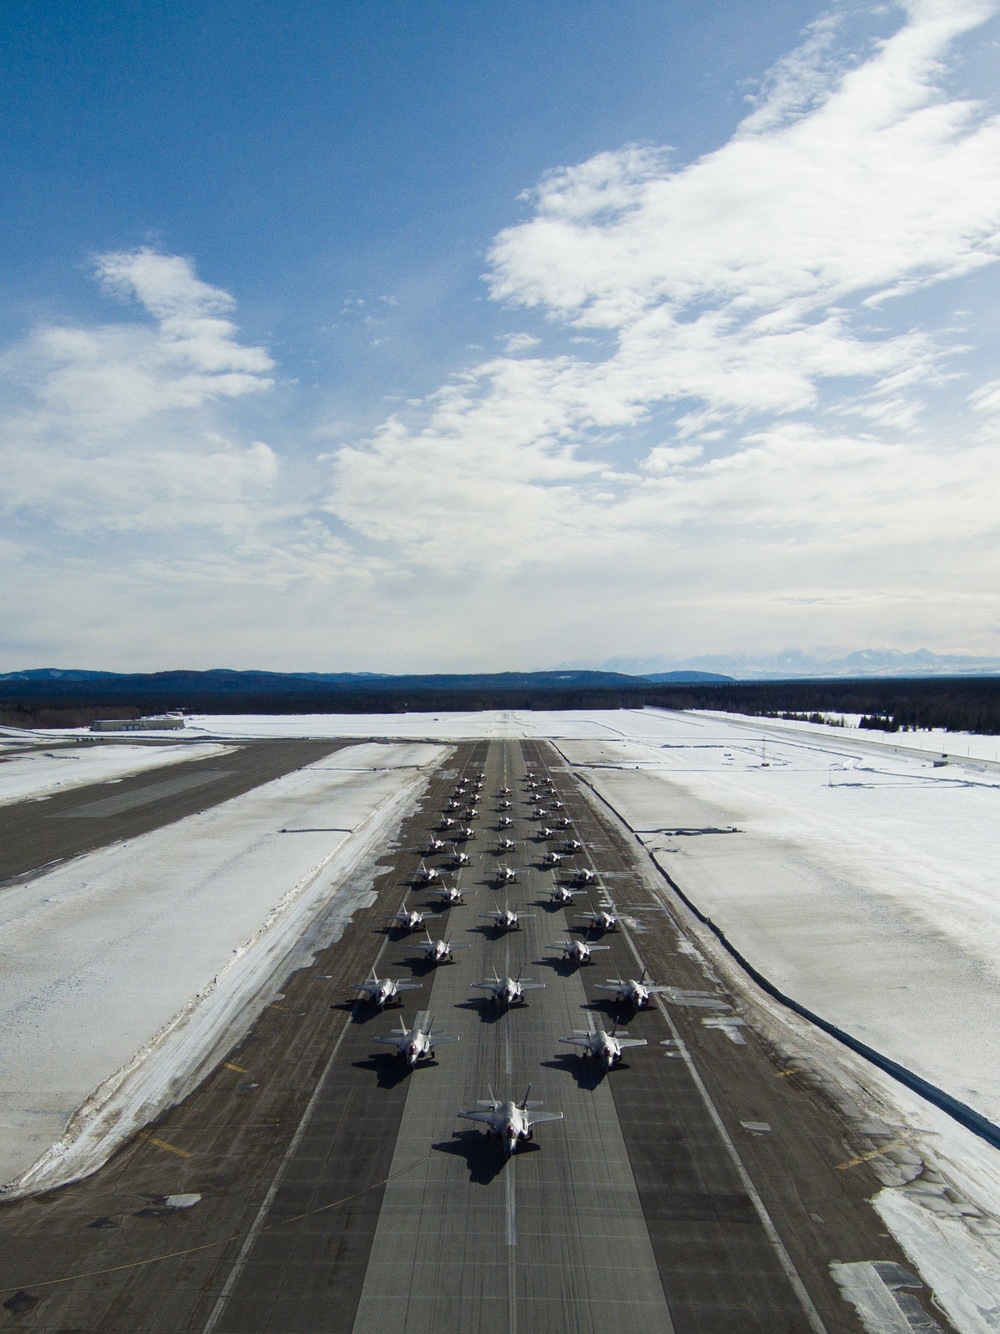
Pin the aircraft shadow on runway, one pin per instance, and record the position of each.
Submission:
(617, 1011)
(588, 1074)
(489, 1013)
(484, 1156)
(561, 967)
(420, 966)
(391, 1070)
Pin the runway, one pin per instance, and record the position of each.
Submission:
(698, 1188)
(49, 830)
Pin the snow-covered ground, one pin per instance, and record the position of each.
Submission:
(125, 974)
(25, 776)
(854, 872)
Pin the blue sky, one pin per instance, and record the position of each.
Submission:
(403, 336)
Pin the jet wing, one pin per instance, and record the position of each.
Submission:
(583, 1041)
(532, 986)
(398, 1040)
(458, 947)
(485, 1117)
(611, 984)
(448, 1037)
(631, 1042)
(544, 1116)
(409, 986)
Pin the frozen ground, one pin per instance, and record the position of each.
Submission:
(863, 880)
(125, 974)
(860, 878)
(38, 773)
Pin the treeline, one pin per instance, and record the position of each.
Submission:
(956, 704)
(962, 704)
(79, 707)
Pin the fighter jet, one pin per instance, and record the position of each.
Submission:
(508, 990)
(573, 845)
(557, 805)
(604, 920)
(380, 991)
(579, 951)
(545, 832)
(505, 845)
(504, 805)
(505, 791)
(407, 919)
(564, 823)
(435, 845)
(427, 875)
(505, 822)
(437, 950)
(472, 812)
(563, 894)
(446, 822)
(631, 992)
(553, 858)
(503, 875)
(510, 1122)
(449, 895)
(585, 876)
(597, 1042)
(506, 919)
(418, 1041)
(466, 831)
(459, 858)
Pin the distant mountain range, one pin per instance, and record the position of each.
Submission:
(792, 664)
(222, 681)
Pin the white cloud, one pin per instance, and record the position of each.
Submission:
(109, 426)
(757, 433)
(748, 288)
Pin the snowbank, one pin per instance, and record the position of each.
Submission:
(125, 974)
(26, 777)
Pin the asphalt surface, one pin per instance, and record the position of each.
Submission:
(700, 1187)
(48, 830)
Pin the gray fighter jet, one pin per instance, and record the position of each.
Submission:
(506, 919)
(577, 950)
(629, 991)
(380, 991)
(407, 919)
(508, 990)
(596, 1042)
(437, 950)
(418, 1042)
(509, 1122)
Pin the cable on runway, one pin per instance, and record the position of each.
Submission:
(223, 1241)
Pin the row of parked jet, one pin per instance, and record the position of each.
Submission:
(508, 1120)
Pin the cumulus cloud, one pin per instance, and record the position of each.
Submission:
(109, 425)
(746, 307)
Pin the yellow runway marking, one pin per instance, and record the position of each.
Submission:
(238, 1068)
(875, 1153)
(162, 1144)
